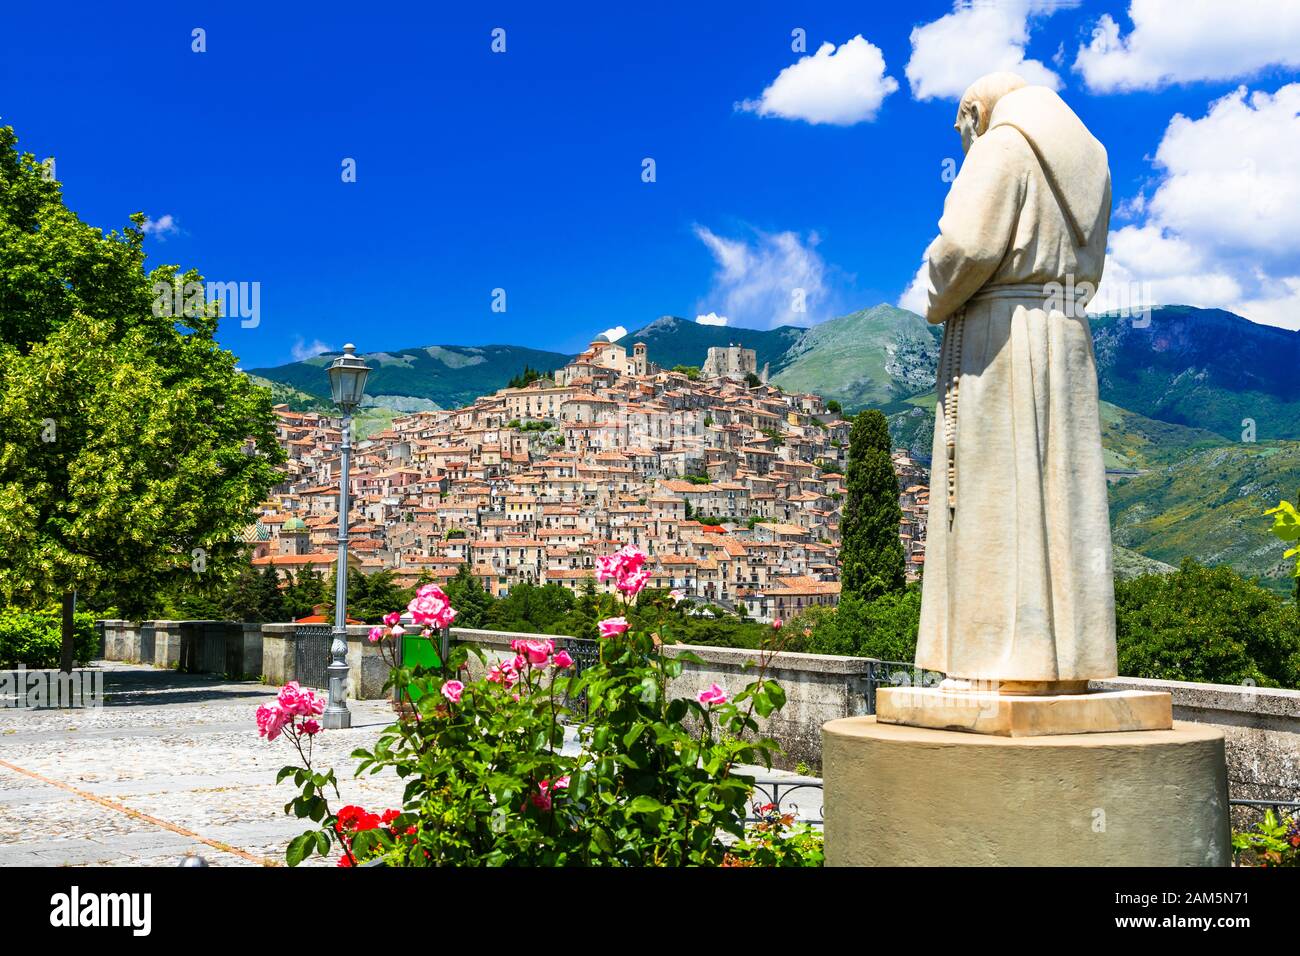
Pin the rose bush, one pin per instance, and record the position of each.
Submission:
(653, 780)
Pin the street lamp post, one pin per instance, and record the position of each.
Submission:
(347, 384)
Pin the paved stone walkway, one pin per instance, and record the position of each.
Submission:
(173, 752)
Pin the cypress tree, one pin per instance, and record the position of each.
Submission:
(271, 600)
(871, 554)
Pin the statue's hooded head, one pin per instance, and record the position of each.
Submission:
(977, 104)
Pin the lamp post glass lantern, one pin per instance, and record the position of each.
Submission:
(347, 385)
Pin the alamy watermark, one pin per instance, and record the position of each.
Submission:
(74, 908)
(1129, 299)
(25, 689)
(242, 300)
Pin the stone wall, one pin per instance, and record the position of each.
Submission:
(200, 647)
(1261, 725)
(818, 687)
(367, 670)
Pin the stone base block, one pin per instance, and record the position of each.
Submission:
(913, 796)
(984, 712)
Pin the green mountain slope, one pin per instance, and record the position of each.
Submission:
(297, 400)
(446, 375)
(671, 341)
(1204, 368)
(1130, 564)
(1210, 505)
(1133, 442)
(877, 357)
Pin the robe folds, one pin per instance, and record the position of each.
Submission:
(1018, 580)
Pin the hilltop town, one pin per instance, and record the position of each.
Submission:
(731, 485)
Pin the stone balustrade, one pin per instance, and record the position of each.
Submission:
(232, 648)
(1261, 725)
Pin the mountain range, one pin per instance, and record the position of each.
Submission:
(1200, 407)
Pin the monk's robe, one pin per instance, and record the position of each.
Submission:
(1018, 581)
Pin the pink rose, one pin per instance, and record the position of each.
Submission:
(562, 660)
(431, 606)
(632, 583)
(562, 783)
(776, 625)
(539, 652)
(504, 674)
(714, 695)
(452, 690)
(607, 566)
(520, 662)
(310, 727)
(542, 800)
(632, 558)
(271, 719)
(612, 626)
(620, 566)
(376, 635)
(393, 619)
(298, 701)
(677, 594)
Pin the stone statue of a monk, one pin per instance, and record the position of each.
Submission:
(1017, 590)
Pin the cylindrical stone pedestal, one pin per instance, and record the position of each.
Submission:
(909, 796)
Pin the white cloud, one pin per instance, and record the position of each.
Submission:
(954, 51)
(1146, 266)
(763, 283)
(915, 297)
(1219, 229)
(711, 319)
(1233, 177)
(838, 86)
(305, 350)
(165, 225)
(1180, 41)
(616, 333)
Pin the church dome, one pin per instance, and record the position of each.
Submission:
(293, 524)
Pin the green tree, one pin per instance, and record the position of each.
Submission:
(1206, 624)
(371, 596)
(270, 600)
(132, 451)
(834, 407)
(884, 628)
(468, 598)
(304, 591)
(871, 553)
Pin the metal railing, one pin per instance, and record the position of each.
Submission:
(1252, 811)
(585, 653)
(311, 654)
(895, 674)
(771, 799)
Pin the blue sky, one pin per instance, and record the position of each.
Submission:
(522, 170)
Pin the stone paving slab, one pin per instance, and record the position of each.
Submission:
(182, 749)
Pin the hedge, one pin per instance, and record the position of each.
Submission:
(34, 638)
